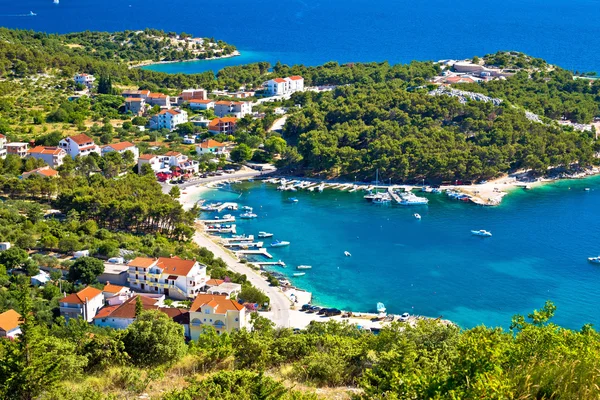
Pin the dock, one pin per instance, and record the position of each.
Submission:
(394, 195)
(217, 221)
(244, 244)
(221, 230)
(227, 206)
(260, 252)
(248, 238)
(268, 264)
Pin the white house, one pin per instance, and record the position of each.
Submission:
(40, 279)
(3, 142)
(283, 86)
(4, 246)
(135, 104)
(202, 104)
(225, 125)
(171, 276)
(236, 108)
(159, 99)
(85, 79)
(122, 147)
(53, 156)
(17, 148)
(163, 163)
(10, 322)
(209, 146)
(84, 303)
(169, 119)
(220, 312)
(110, 291)
(194, 94)
(120, 316)
(79, 145)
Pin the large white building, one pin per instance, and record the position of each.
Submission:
(53, 156)
(171, 276)
(79, 145)
(284, 86)
(17, 148)
(122, 147)
(169, 119)
(84, 304)
(237, 109)
(163, 163)
(85, 79)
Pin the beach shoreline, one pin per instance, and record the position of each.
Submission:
(147, 63)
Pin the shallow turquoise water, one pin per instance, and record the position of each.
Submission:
(435, 266)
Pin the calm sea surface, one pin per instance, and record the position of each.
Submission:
(538, 252)
(313, 32)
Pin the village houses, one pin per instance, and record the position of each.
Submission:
(238, 109)
(202, 104)
(224, 125)
(171, 276)
(84, 304)
(44, 172)
(194, 94)
(86, 80)
(121, 148)
(135, 105)
(210, 146)
(284, 86)
(218, 311)
(79, 145)
(17, 148)
(53, 156)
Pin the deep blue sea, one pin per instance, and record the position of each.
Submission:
(538, 252)
(564, 32)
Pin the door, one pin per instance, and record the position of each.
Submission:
(166, 292)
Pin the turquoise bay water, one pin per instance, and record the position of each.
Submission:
(538, 252)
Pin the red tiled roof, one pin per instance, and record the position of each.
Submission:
(142, 262)
(106, 311)
(147, 156)
(46, 150)
(127, 310)
(45, 171)
(296, 78)
(220, 303)
(170, 111)
(158, 96)
(134, 100)
(175, 266)
(214, 282)
(228, 103)
(9, 320)
(172, 154)
(279, 80)
(81, 138)
(110, 288)
(209, 144)
(194, 101)
(79, 297)
(120, 146)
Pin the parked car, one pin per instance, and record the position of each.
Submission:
(404, 317)
(331, 312)
(314, 309)
(305, 307)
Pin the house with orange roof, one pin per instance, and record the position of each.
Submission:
(121, 147)
(284, 86)
(220, 312)
(84, 304)
(238, 109)
(169, 119)
(10, 324)
(44, 172)
(140, 94)
(115, 291)
(159, 99)
(135, 105)
(120, 316)
(209, 146)
(201, 104)
(52, 155)
(224, 125)
(171, 276)
(79, 145)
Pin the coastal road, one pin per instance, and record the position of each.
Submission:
(247, 173)
(280, 304)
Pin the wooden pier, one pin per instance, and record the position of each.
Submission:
(260, 252)
(217, 221)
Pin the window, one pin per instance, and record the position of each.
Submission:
(207, 311)
(237, 319)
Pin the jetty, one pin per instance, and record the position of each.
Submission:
(227, 206)
(248, 238)
(394, 196)
(269, 264)
(244, 244)
(217, 221)
(259, 252)
(222, 230)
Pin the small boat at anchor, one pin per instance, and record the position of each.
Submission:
(482, 233)
(299, 274)
(347, 254)
(594, 260)
(280, 243)
(417, 216)
(304, 267)
(293, 200)
(248, 215)
(264, 235)
(381, 308)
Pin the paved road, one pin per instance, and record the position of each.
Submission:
(246, 174)
(280, 304)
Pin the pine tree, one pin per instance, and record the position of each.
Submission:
(139, 308)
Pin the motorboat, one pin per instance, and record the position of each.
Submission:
(321, 187)
(381, 308)
(293, 200)
(280, 243)
(304, 267)
(587, 189)
(264, 234)
(244, 236)
(410, 199)
(347, 254)
(299, 273)
(227, 216)
(482, 232)
(417, 216)
(248, 215)
(247, 208)
(594, 260)
(32, 14)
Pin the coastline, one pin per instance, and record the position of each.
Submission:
(147, 63)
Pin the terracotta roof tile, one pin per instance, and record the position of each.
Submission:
(110, 288)
(209, 144)
(142, 262)
(296, 78)
(82, 138)
(120, 146)
(279, 80)
(220, 303)
(46, 150)
(79, 297)
(9, 320)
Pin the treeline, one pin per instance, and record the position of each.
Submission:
(355, 130)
